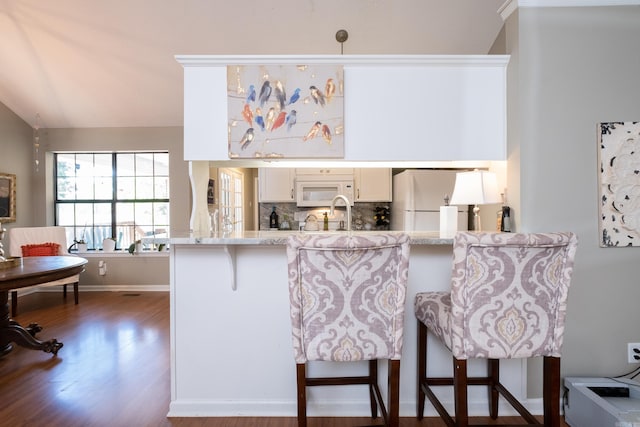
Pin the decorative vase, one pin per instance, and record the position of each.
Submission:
(82, 247)
(108, 245)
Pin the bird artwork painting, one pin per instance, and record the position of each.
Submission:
(265, 93)
(291, 119)
(317, 96)
(247, 138)
(247, 114)
(294, 98)
(326, 134)
(251, 94)
(260, 119)
(285, 111)
(279, 121)
(271, 116)
(313, 132)
(280, 94)
(329, 90)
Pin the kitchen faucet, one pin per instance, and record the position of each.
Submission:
(347, 204)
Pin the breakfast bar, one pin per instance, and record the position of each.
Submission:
(231, 346)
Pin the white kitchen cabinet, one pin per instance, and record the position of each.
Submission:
(429, 108)
(373, 184)
(276, 184)
(323, 172)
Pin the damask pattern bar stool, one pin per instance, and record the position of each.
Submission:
(508, 299)
(347, 295)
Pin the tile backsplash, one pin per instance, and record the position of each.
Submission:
(365, 216)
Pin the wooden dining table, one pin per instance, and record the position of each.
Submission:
(24, 272)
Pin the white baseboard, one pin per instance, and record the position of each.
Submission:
(273, 408)
(109, 288)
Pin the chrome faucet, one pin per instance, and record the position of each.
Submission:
(347, 204)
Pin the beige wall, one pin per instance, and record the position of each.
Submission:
(122, 139)
(570, 69)
(576, 67)
(35, 189)
(132, 272)
(16, 157)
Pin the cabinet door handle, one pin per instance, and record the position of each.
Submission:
(292, 194)
(358, 194)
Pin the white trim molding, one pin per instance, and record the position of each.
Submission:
(510, 6)
(576, 3)
(507, 8)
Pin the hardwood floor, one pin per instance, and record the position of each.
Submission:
(113, 369)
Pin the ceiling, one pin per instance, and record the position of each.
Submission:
(91, 63)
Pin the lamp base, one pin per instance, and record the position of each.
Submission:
(477, 226)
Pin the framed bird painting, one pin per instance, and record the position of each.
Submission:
(285, 111)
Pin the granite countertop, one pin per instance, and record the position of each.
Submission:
(279, 237)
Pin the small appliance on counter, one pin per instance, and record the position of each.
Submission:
(311, 223)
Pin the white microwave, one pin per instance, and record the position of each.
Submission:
(321, 193)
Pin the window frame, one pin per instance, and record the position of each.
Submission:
(75, 231)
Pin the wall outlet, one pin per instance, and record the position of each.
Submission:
(633, 352)
(102, 268)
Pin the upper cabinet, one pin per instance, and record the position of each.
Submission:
(396, 108)
(322, 173)
(373, 184)
(276, 184)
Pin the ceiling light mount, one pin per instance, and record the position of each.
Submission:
(341, 37)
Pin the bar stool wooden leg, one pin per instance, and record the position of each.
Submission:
(422, 368)
(301, 374)
(373, 380)
(493, 366)
(394, 393)
(460, 392)
(551, 391)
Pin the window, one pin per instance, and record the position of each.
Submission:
(231, 184)
(120, 195)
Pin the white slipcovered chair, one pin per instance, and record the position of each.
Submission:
(23, 236)
(347, 299)
(508, 299)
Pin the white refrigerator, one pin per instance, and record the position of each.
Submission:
(417, 197)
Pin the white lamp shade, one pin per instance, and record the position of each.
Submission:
(475, 188)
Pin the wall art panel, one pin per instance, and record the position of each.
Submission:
(285, 111)
(619, 183)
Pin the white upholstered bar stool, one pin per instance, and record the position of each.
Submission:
(508, 299)
(347, 295)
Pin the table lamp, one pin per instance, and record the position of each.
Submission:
(475, 188)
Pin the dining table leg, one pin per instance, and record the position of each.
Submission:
(12, 332)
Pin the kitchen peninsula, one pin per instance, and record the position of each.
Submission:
(231, 345)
